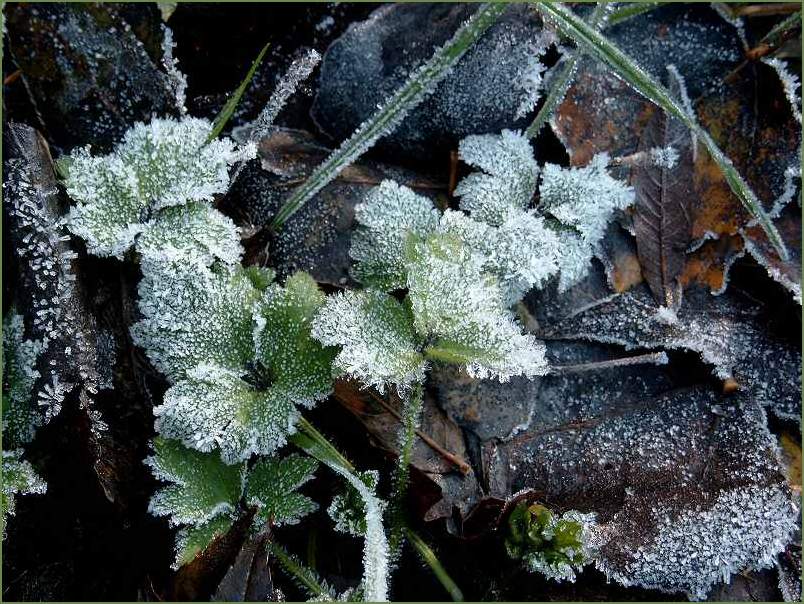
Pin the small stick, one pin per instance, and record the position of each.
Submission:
(453, 172)
(451, 457)
(12, 77)
(655, 358)
(758, 10)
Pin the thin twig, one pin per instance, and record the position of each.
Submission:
(762, 10)
(451, 457)
(653, 358)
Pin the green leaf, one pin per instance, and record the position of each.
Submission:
(272, 484)
(387, 216)
(294, 360)
(214, 409)
(597, 45)
(229, 108)
(193, 540)
(203, 487)
(420, 84)
(195, 315)
(192, 230)
(378, 345)
(19, 478)
(348, 510)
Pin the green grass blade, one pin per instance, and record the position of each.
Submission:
(632, 9)
(418, 86)
(307, 578)
(229, 108)
(597, 45)
(429, 558)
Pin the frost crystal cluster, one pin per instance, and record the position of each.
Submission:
(463, 270)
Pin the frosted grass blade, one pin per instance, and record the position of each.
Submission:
(597, 45)
(418, 86)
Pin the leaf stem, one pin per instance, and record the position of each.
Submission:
(450, 457)
(306, 577)
(411, 411)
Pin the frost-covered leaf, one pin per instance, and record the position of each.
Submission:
(191, 540)
(348, 510)
(272, 484)
(375, 332)
(214, 409)
(193, 315)
(161, 164)
(294, 360)
(728, 334)
(19, 478)
(584, 198)
(389, 213)
(203, 487)
(462, 307)
(508, 176)
(21, 415)
(556, 546)
(195, 229)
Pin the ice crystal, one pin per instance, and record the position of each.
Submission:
(461, 307)
(573, 260)
(195, 229)
(272, 484)
(203, 487)
(508, 176)
(193, 315)
(664, 157)
(176, 79)
(790, 82)
(19, 478)
(388, 215)
(555, 546)
(584, 198)
(21, 417)
(348, 510)
(161, 164)
(531, 78)
(375, 332)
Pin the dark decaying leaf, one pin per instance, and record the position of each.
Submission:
(441, 487)
(249, 577)
(728, 333)
(198, 579)
(664, 200)
(91, 70)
